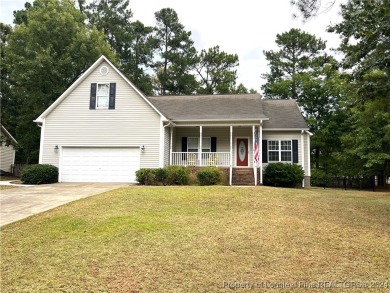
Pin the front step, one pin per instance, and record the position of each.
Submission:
(243, 176)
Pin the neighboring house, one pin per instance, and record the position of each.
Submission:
(102, 128)
(7, 151)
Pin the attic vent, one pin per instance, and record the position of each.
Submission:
(103, 70)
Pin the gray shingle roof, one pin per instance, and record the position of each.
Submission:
(210, 107)
(281, 113)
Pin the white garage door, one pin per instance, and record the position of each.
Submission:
(99, 164)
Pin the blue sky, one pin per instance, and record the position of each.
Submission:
(244, 27)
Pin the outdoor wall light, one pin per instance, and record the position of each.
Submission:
(142, 148)
(56, 147)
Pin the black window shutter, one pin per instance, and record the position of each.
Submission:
(213, 144)
(111, 104)
(92, 100)
(295, 151)
(264, 152)
(184, 147)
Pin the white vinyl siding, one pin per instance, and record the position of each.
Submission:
(133, 123)
(7, 157)
(289, 136)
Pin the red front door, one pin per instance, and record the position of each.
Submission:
(242, 152)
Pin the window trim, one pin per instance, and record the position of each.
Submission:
(204, 150)
(279, 150)
(97, 96)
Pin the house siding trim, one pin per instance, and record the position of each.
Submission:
(211, 124)
(285, 129)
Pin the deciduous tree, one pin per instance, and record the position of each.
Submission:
(365, 33)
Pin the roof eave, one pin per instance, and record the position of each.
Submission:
(8, 134)
(285, 129)
(222, 120)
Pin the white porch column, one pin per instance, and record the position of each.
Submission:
(261, 151)
(253, 155)
(200, 145)
(303, 157)
(308, 154)
(170, 145)
(231, 157)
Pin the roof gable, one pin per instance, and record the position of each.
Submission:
(7, 134)
(82, 78)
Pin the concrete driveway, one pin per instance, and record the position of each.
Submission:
(24, 201)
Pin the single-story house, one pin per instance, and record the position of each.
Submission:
(7, 151)
(103, 129)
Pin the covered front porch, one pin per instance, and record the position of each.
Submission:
(225, 146)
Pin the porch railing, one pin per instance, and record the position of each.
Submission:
(208, 159)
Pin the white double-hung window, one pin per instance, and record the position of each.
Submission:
(102, 95)
(193, 144)
(279, 151)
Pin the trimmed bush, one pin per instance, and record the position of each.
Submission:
(177, 175)
(144, 176)
(320, 178)
(39, 174)
(209, 176)
(160, 175)
(283, 175)
(172, 175)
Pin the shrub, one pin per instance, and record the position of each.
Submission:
(177, 175)
(283, 175)
(144, 176)
(160, 175)
(320, 178)
(39, 174)
(209, 176)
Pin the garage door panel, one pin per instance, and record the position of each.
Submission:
(99, 164)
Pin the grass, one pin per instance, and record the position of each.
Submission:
(202, 239)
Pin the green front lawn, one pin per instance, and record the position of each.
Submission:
(202, 239)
